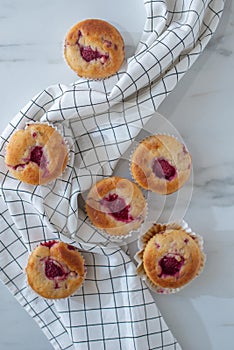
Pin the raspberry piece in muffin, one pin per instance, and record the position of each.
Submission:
(163, 169)
(94, 49)
(37, 154)
(116, 206)
(161, 163)
(171, 257)
(54, 270)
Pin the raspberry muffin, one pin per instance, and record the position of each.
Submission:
(171, 257)
(94, 49)
(161, 163)
(36, 155)
(116, 205)
(55, 270)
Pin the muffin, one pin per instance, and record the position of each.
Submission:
(171, 257)
(36, 155)
(55, 270)
(116, 206)
(161, 163)
(94, 49)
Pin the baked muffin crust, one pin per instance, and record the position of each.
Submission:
(94, 49)
(116, 206)
(36, 155)
(171, 258)
(55, 270)
(161, 163)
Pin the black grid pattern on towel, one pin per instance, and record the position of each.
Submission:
(99, 120)
(110, 289)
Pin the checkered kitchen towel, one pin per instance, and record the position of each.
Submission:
(99, 119)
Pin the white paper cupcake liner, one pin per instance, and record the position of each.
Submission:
(142, 242)
(56, 127)
(132, 235)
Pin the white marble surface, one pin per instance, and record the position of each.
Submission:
(201, 108)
